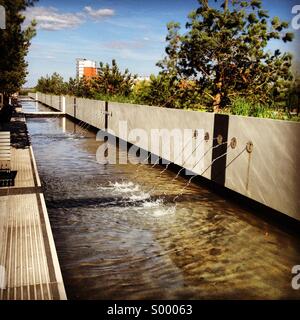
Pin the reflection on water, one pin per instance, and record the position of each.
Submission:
(117, 241)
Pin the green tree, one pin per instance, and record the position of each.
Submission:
(15, 42)
(224, 50)
(169, 64)
(294, 96)
(171, 88)
(111, 81)
(54, 84)
(81, 88)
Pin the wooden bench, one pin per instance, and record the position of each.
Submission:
(6, 179)
(5, 155)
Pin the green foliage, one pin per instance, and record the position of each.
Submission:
(293, 96)
(79, 88)
(115, 98)
(246, 107)
(24, 92)
(243, 107)
(15, 43)
(111, 81)
(159, 91)
(219, 64)
(224, 50)
(170, 88)
(168, 92)
(54, 84)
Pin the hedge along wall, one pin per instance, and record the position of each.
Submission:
(267, 174)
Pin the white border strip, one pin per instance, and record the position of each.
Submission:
(58, 274)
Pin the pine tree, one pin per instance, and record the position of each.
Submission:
(111, 81)
(53, 85)
(224, 50)
(169, 64)
(14, 46)
(171, 88)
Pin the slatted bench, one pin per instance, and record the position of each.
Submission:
(5, 160)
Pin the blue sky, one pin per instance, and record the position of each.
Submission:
(131, 31)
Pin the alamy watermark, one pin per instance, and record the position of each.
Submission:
(184, 147)
(2, 17)
(296, 18)
(296, 278)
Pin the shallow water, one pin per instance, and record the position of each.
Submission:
(117, 238)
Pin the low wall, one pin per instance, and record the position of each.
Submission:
(32, 95)
(148, 118)
(263, 166)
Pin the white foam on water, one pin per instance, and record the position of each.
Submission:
(123, 187)
(164, 212)
(131, 191)
(121, 184)
(73, 136)
(153, 204)
(140, 197)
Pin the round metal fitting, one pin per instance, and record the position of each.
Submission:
(233, 143)
(249, 147)
(219, 139)
(206, 136)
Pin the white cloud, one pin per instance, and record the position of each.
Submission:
(99, 13)
(52, 20)
(117, 44)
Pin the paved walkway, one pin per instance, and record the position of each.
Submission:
(29, 268)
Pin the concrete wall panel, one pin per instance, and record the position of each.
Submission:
(56, 102)
(270, 173)
(91, 111)
(147, 118)
(70, 106)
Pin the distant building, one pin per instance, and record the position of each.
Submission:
(85, 68)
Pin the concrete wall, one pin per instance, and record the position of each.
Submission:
(56, 102)
(91, 111)
(147, 118)
(32, 95)
(269, 174)
(70, 106)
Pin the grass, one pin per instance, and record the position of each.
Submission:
(243, 107)
(116, 98)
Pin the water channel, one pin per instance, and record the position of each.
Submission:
(116, 241)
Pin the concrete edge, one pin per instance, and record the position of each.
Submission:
(57, 270)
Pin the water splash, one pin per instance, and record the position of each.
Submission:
(164, 212)
(124, 187)
(139, 197)
(140, 200)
